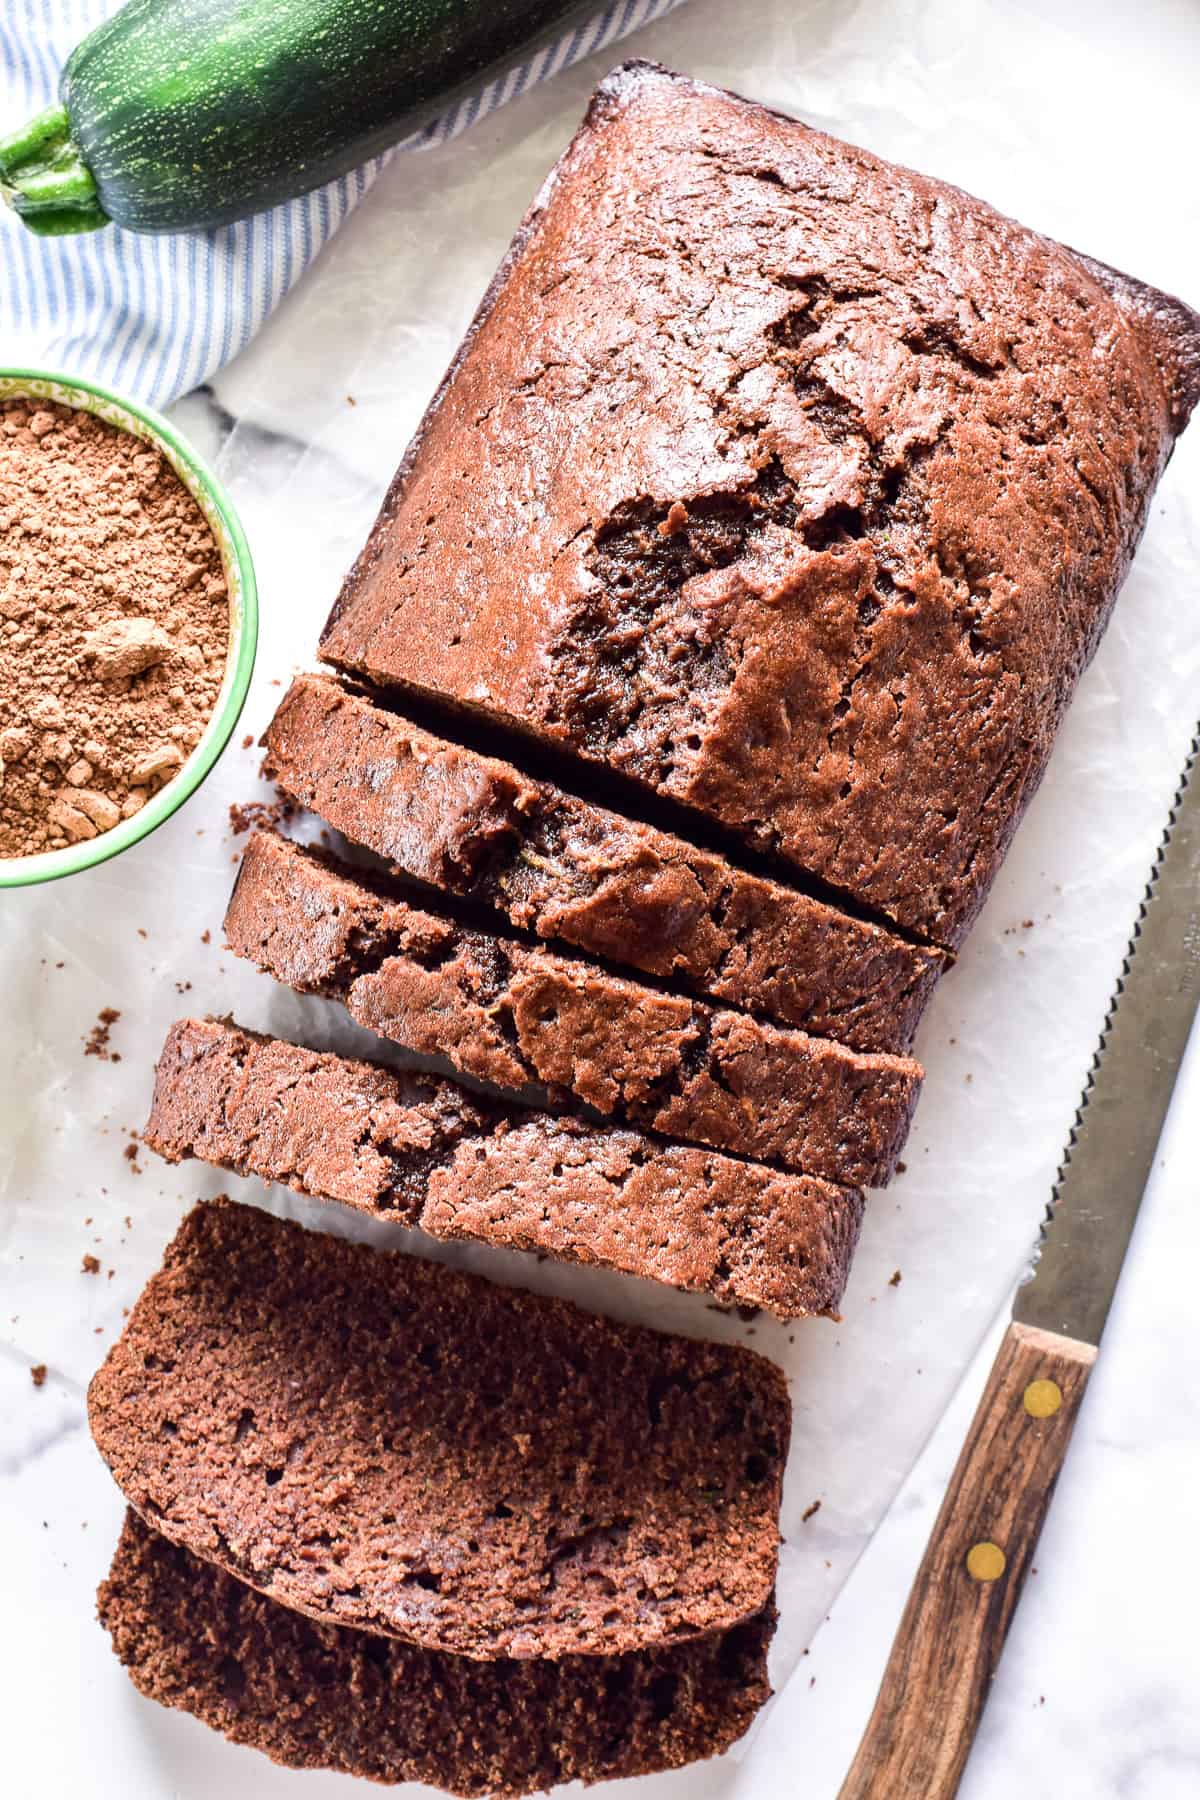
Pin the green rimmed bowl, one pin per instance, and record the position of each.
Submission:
(214, 503)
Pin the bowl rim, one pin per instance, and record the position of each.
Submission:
(210, 495)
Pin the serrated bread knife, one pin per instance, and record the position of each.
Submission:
(966, 1590)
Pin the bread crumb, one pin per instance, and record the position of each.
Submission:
(260, 812)
(91, 1264)
(96, 1041)
(810, 1512)
(38, 1374)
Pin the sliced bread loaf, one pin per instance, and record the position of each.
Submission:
(518, 1015)
(387, 1444)
(792, 484)
(427, 1154)
(565, 868)
(329, 1697)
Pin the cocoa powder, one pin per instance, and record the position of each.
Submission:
(114, 625)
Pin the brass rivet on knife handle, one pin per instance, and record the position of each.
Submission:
(958, 1612)
(1042, 1398)
(985, 1561)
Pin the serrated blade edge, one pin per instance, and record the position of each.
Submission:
(1110, 1150)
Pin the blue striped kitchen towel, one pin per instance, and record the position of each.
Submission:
(108, 304)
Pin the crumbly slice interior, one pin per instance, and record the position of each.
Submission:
(316, 1696)
(423, 1152)
(568, 869)
(522, 1017)
(380, 1442)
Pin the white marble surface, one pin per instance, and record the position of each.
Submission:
(1079, 121)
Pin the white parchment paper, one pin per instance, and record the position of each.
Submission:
(1073, 118)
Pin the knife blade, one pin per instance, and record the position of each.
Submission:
(950, 1639)
(1111, 1148)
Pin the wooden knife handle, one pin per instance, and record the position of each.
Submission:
(966, 1591)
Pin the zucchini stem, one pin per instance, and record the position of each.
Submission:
(35, 143)
(46, 181)
(65, 221)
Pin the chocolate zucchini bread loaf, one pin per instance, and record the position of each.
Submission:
(566, 868)
(385, 1443)
(787, 482)
(329, 1697)
(427, 1154)
(518, 1016)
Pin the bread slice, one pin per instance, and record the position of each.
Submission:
(426, 1154)
(329, 1697)
(384, 1443)
(518, 1016)
(565, 868)
(793, 485)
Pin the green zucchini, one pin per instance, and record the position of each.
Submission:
(177, 115)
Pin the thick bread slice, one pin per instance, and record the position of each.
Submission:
(519, 1016)
(328, 1697)
(382, 1442)
(565, 868)
(791, 484)
(427, 1154)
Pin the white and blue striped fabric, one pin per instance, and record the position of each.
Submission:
(155, 316)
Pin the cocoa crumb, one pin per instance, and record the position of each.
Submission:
(901, 1167)
(96, 1041)
(114, 622)
(895, 1280)
(206, 937)
(91, 1264)
(130, 1153)
(810, 1512)
(38, 1374)
(260, 812)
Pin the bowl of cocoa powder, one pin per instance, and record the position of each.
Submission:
(128, 624)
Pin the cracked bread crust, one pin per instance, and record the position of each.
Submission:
(428, 1155)
(315, 1696)
(521, 1017)
(387, 1444)
(565, 868)
(790, 483)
